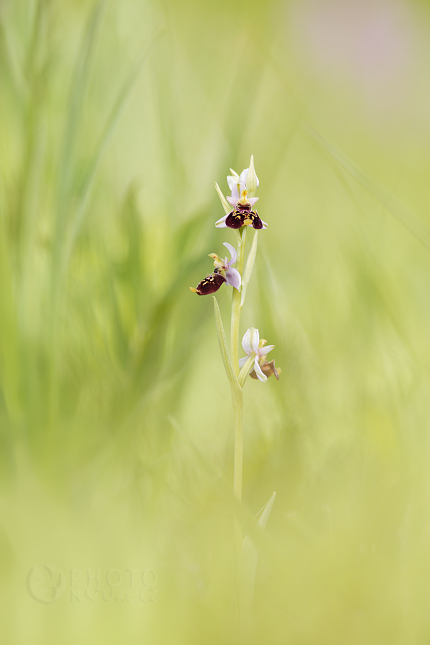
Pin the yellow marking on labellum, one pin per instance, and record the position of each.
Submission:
(193, 290)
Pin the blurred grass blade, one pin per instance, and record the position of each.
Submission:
(264, 512)
(79, 85)
(9, 351)
(64, 188)
(248, 268)
(107, 135)
(248, 567)
(224, 348)
(409, 220)
(14, 66)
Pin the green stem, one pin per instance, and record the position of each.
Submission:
(237, 391)
(235, 306)
(238, 442)
(238, 434)
(238, 461)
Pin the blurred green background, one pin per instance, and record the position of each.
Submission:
(116, 429)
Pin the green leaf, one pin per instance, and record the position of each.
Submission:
(224, 348)
(245, 370)
(224, 202)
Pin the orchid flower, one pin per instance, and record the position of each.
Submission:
(253, 346)
(223, 272)
(237, 185)
(239, 214)
(232, 276)
(242, 213)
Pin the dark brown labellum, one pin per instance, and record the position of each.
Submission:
(210, 284)
(243, 215)
(235, 219)
(256, 221)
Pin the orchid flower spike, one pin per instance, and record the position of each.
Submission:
(253, 346)
(223, 272)
(242, 213)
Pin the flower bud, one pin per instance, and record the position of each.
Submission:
(252, 179)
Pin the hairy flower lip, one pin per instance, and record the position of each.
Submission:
(243, 217)
(223, 272)
(239, 217)
(209, 285)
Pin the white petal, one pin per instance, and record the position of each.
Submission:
(264, 224)
(243, 176)
(253, 200)
(255, 340)
(265, 350)
(250, 341)
(233, 185)
(221, 222)
(232, 181)
(233, 278)
(232, 201)
(261, 377)
(242, 361)
(246, 342)
(232, 253)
